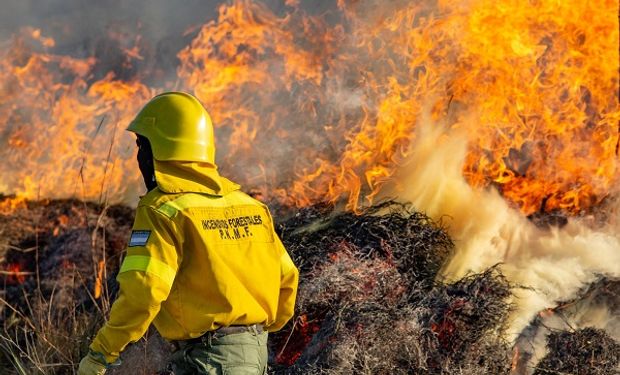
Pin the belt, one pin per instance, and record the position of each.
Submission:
(222, 331)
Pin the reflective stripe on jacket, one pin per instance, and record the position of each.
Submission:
(196, 262)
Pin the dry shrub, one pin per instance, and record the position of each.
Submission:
(394, 231)
(586, 351)
(369, 304)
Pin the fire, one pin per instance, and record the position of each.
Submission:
(301, 335)
(312, 107)
(58, 126)
(14, 273)
(546, 312)
(550, 111)
(516, 356)
(99, 279)
(9, 205)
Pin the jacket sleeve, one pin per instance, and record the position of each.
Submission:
(145, 280)
(289, 277)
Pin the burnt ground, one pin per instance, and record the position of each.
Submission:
(368, 303)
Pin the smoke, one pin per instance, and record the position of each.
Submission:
(83, 64)
(102, 29)
(57, 56)
(72, 22)
(546, 265)
(78, 27)
(597, 307)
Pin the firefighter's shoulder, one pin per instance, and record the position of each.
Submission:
(157, 198)
(238, 197)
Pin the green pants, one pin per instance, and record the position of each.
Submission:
(234, 354)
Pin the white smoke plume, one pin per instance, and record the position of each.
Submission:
(547, 265)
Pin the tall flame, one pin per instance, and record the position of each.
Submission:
(57, 123)
(313, 107)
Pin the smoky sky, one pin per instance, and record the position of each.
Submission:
(83, 28)
(69, 21)
(72, 21)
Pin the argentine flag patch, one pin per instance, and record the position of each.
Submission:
(139, 237)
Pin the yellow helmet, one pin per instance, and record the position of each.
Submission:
(178, 128)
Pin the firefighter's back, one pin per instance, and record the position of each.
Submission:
(229, 271)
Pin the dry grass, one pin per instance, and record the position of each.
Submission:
(368, 300)
(586, 351)
(50, 314)
(369, 304)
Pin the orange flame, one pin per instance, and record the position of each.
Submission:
(49, 117)
(99, 279)
(515, 359)
(322, 107)
(9, 205)
(546, 312)
(15, 274)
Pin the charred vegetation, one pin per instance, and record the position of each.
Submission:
(370, 299)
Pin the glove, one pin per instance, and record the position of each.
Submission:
(91, 365)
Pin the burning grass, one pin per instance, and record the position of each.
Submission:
(345, 83)
(369, 299)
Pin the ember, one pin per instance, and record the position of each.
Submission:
(10, 204)
(14, 273)
(44, 309)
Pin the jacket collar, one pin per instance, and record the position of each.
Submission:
(191, 177)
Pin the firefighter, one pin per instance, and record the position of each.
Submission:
(203, 262)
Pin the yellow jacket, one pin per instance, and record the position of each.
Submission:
(202, 255)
